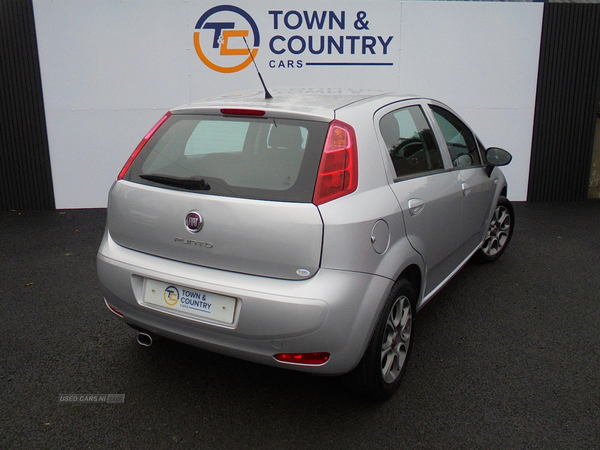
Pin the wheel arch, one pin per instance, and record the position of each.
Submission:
(413, 275)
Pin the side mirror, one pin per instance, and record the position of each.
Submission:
(496, 157)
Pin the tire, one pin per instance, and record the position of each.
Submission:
(499, 232)
(383, 365)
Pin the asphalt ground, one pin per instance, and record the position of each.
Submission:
(506, 356)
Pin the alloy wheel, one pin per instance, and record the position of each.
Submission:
(498, 232)
(396, 339)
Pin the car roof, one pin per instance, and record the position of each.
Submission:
(318, 102)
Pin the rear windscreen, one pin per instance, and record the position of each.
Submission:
(260, 158)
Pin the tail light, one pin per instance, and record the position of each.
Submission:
(140, 146)
(303, 358)
(338, 172)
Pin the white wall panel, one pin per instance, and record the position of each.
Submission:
(110, 69)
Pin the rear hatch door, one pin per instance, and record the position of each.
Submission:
(231, 193)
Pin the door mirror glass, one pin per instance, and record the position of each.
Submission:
(497, 156)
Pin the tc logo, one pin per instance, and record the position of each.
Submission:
(219, 38)
(171, 295)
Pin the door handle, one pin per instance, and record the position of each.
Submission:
(466, 188)
(415, 206)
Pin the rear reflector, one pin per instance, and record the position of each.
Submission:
(303, 358)
(113, 309)
(140, 146)
(338, 172)
(242, 112)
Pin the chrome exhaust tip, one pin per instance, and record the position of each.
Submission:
(145, 339)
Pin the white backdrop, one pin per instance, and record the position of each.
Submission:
(111, 69)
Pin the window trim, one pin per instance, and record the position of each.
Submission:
(440, 134)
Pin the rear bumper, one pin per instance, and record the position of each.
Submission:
(334, 311)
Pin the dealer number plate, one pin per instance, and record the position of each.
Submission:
(189, 302)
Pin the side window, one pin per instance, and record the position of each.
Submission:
(410, 142)
(216, 136)
(459, 139)
(290, 137)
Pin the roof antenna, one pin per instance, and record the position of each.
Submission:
(267, 93)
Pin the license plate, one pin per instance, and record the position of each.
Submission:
(187, 301)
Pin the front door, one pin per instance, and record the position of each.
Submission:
(476, 186)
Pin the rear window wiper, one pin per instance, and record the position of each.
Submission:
(193, 183)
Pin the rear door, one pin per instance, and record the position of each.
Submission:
(429, 195)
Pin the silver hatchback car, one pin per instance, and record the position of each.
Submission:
(303, 231)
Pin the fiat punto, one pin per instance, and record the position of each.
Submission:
(302, 231)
